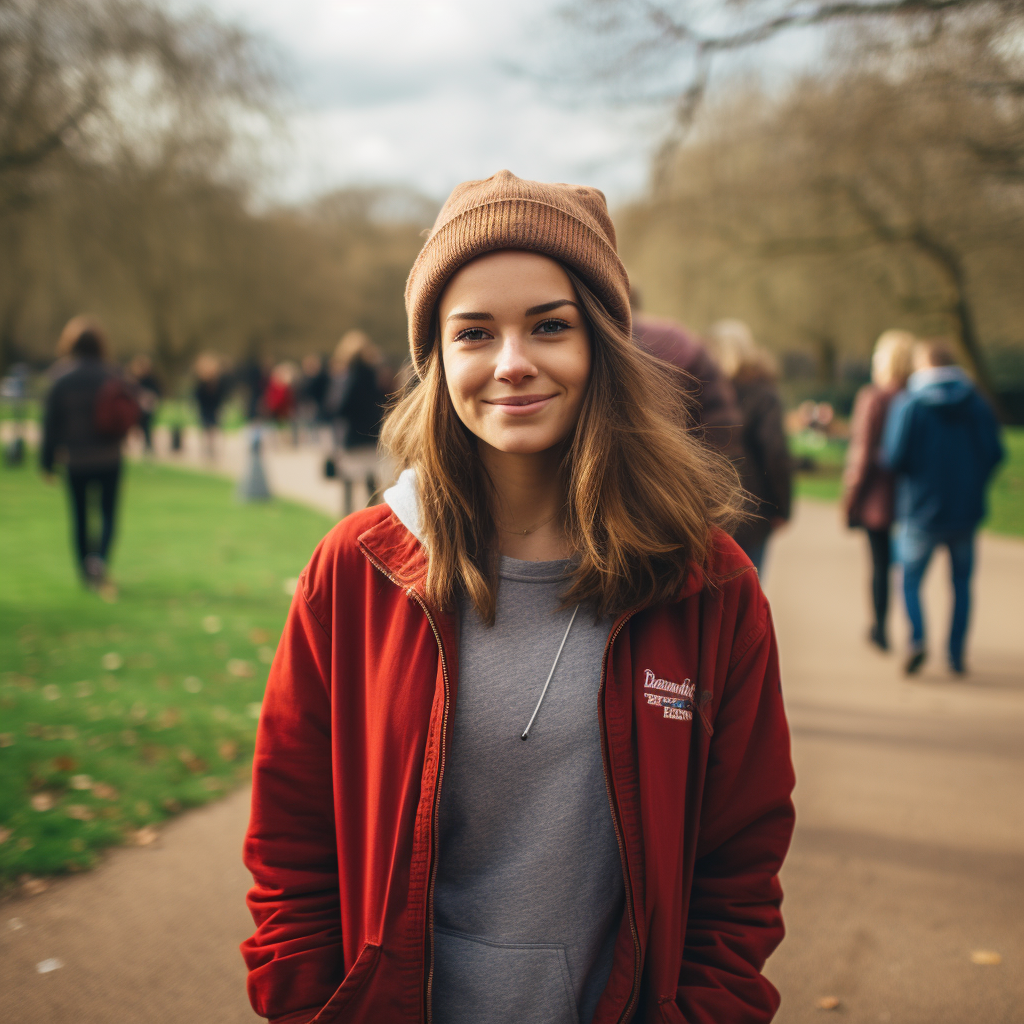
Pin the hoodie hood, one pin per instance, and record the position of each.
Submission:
(404, 501)
(940, 385)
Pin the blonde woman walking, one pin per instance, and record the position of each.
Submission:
(868, 487)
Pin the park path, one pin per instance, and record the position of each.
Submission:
(908, 857)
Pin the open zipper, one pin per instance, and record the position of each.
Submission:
(616, 826)
(411, 591)
(634, 994)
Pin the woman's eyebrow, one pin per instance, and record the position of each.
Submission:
(468, 316)
(546, 307)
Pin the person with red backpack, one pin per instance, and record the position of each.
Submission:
(88, 414)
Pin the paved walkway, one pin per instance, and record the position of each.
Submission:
(908, 858)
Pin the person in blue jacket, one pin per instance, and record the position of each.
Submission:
(942, 440)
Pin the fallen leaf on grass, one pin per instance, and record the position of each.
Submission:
(79, 812)
(827, 1003)
(228, 750)
(193, 684)
(83, 689)
(104, 791)
(240, 668)
(259, 636)
(212, 624)
(81, 782)
(168, 718)
(266, 655)
(6, 739)
(194, 764)
(112, 661)
(145, 836)
(42, 802)
(64, 763)
(5, 834)
(986, 957)
(51, 691)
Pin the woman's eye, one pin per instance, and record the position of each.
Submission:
(472, 334)
(551, 327)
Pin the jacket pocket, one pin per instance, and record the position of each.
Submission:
(484, 982)
(354, 980)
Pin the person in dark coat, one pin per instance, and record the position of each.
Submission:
(709, 393)
(148, 392)
(942, 440)
(869, 489)
(211, 390)
(356, 404)
(92, 461)
(765, 467)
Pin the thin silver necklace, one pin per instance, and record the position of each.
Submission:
(526, 731)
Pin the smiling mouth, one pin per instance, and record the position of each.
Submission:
(519, 401)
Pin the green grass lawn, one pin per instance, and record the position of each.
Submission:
(1006, 495)
(116, 714)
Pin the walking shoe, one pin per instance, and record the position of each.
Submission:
(95, 570)
(877, 637)
(957, 667)
(915, 659)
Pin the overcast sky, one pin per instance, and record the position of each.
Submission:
(432, 93)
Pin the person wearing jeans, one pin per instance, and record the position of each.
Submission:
(915, 547)
(942, 440)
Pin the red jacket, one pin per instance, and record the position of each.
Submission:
(350, 762)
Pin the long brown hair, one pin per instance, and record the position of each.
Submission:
(642, 494)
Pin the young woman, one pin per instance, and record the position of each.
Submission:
(523, 755)
(869, 489)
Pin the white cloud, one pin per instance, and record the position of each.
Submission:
(424, 93)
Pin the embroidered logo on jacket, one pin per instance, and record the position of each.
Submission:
(678, 706)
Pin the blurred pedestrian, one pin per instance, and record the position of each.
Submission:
(147, 391)
(252, 378)
(312, 393)
(765, 468)
(356, 404)
(869, 488)
(549, 568)
(210, 392)
(710, 396)
(89, 410)
(279, 396)
(942, 440)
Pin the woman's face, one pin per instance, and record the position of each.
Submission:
(516, 350)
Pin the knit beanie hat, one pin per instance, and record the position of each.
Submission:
(569, 223)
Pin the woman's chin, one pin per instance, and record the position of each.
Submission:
(522, 442)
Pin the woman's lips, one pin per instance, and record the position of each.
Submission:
(520, 405)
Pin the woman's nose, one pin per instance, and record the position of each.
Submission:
(514, 364)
